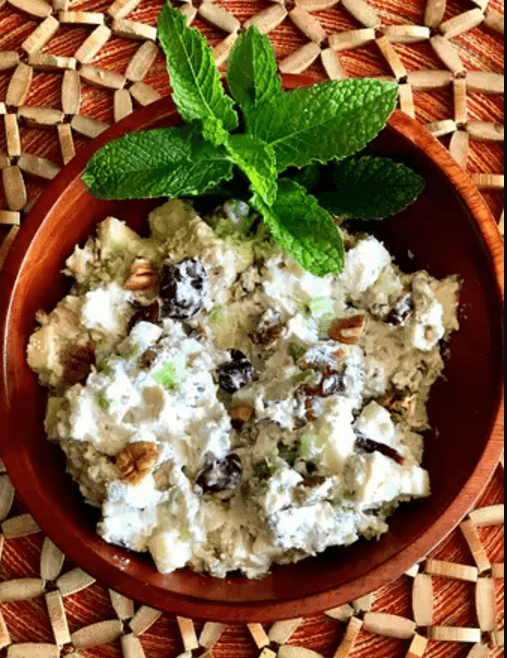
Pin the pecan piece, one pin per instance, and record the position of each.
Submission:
(348, 330)
(135, 460)
(403, 310)
(240, 415)
(80, 359)
(143, 276)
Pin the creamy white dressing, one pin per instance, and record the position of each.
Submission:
(333, 442)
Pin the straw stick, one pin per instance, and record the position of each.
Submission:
(448, 634)
(332, 64)
(423, 600)
(41, 35)
(282, 631)
(459, 148)
(308, 25)
(488, 516)
(462, 23)
(300, 60)
(144, 94)
(144, 619)
(73, 582)
(485, 604)
(211, 634)
(58, 618)
(95, 634)
(219, 17)
(259, 635)
(87, 126)
(363, 12)
(389, 625)
(269, 19)
(23, 525)
(142, 61)
(435, 11)
(452, 571)
(392, 57)
(19, 85)
(66, 142)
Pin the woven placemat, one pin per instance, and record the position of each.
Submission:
(67, 71)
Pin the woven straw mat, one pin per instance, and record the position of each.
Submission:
(447, 58)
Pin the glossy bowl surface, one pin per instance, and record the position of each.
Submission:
(449, 230)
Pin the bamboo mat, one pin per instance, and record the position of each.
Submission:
(67, 71)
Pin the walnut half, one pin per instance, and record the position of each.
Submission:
(135, 461)
(143, 276)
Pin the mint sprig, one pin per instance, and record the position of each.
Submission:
(197, 91)
(308, 127)
(391, 188)
(332, 120)
(303, 228)
(252, 75)
(163, 162)
(257, 160)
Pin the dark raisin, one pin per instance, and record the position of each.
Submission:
(270, 328)
(368, 445)
(332, 382)
(147, 358)
(313, 481)
(221, 475)
(183, 289)
(237, 373)
(403, 309)
(144, 314)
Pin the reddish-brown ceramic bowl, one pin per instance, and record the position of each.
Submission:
(449, 230)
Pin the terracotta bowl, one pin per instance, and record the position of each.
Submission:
(449, 230)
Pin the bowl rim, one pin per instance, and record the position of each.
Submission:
(381, 575)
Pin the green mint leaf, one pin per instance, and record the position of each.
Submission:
(370, 188)
(163, 162)
(213, 131)
(310, 176)
(197, 90)
(257, 160)
(304, 229)
(332, 120)
(252, 72)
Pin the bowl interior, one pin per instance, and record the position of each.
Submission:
(437, 233)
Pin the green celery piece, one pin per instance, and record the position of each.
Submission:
(252, 71)
(197, 90)
(370, 188)
(163, 162)
(168, 377)
(304, 229)
(257, 160)
(332, 120)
